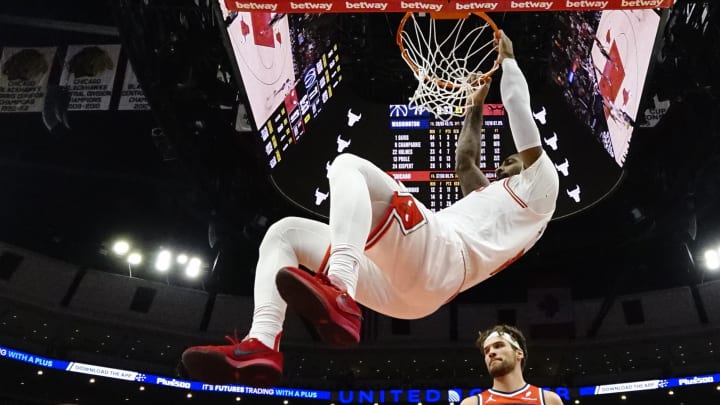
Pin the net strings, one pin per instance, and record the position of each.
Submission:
(446, 67)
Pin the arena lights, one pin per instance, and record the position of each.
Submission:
(134, 258)
(121, 247)
(193, 267)
(712, 259)
(163, 262)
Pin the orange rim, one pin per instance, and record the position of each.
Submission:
(443, 83)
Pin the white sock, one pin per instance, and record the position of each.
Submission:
(343, 268)
(266, 328)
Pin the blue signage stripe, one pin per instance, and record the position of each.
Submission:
(344, 397)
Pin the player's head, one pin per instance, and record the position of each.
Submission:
(511, 166)
(504, 348)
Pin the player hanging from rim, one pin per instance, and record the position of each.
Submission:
(505, 351)
(386, 250)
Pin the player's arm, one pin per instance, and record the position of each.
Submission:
(467, 153)
(515, 95)
(552, 398)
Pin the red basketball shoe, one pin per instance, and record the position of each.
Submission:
(248, 362)
(332, 311)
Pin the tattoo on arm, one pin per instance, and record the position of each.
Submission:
(467, 154)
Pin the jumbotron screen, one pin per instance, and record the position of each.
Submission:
(288, 70)
(584, 107)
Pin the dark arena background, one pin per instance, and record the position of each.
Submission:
(185, 128)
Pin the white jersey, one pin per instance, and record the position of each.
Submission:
(427, 258)
(502, 221)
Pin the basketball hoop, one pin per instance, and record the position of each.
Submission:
(450, 55)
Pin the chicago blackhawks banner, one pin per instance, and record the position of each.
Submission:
(24, 75)
(132, 96)
(89, 73)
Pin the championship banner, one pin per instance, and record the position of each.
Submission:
(24, 75)
(394, 6)
(132, 96)
(89, 73)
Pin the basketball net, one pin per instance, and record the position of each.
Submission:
(450, 57)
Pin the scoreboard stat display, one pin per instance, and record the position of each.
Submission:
(422, 156)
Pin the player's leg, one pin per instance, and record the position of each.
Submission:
(287, 243)
(360, 194)
(256, 360)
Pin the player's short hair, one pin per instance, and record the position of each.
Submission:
(514, 333)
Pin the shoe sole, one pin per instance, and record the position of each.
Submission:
(299, 296)
(215, 368)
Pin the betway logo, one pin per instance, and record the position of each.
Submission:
(586, 3)
(255, 6)
(696, 380)
(641, 3)
(311, 6)
(531, 4)
(475, 6)
(173, 383)
(421, 6)
(365, 5)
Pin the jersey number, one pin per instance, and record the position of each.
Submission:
(407, 213)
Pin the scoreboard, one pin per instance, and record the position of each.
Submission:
(423, 152)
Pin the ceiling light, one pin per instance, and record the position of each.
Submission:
(163, 260)
(193, 267)
(134, 258)
(712, 259)
(182, 258)
(40, 372)
(121, 247)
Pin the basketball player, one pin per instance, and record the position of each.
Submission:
(505, 353)
(384, 249)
